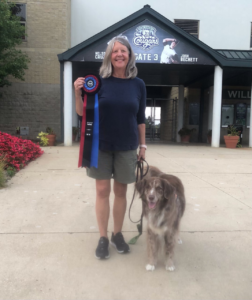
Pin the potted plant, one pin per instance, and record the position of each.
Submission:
(209, 136)
(185, 134)
(75, 132)
(43, 140)
(51, 136)
(232, 138)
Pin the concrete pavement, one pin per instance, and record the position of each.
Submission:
(49, 231)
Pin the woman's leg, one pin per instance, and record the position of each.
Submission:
(102, 205)
(120, 204)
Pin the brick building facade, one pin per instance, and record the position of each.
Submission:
(67, 28)
(35, 102)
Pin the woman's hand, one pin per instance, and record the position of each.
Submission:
(78, 84)
(141, 154)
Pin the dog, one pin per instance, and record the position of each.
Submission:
(163, 199)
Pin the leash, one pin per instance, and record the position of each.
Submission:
(140, 175)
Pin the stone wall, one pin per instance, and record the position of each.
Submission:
(30, 105)
(36, 101)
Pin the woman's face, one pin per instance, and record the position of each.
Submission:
(119, 56)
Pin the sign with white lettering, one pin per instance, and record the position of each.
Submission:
(236, 94)
(151, 44)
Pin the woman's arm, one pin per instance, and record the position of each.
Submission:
(141, 122)
(78, 84)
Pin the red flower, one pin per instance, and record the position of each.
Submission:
(16, 151)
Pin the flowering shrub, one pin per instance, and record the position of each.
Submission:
(42, 136)
(17, 152)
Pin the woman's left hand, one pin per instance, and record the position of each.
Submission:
(141, 154)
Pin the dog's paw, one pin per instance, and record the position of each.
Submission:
(150, 267)
(180, 241)
(170, 268)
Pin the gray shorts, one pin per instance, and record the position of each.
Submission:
(119, 165)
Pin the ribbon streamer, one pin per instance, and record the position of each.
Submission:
(89, 144)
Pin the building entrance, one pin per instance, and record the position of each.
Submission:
(161, 119)
(160, 114)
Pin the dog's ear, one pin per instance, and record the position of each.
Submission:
(168, 189)
(140, 186)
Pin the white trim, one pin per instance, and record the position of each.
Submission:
(68, 103)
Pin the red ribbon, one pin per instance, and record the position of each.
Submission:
(83, 128)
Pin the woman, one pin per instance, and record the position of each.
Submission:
(122, 101)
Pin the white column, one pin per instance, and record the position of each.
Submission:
(180, 120)
(217, 94)
(74, 114)
(250, 129)
(68, 103)
(210, 108)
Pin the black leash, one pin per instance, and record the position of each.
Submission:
(141, 174)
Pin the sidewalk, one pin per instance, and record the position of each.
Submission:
(49, 231)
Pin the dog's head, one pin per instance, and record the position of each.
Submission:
(154, 190)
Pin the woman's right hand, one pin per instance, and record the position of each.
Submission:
(78, 84)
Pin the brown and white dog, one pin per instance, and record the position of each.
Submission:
(163, 206)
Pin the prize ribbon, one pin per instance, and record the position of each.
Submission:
(89, 143)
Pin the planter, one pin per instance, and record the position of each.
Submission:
(209, 139)
(185, 138)
(231, 141)
(51, 139)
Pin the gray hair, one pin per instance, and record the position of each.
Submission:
(107, 68)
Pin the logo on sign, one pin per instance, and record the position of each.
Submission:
(145, 37)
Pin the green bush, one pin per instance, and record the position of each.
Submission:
(11, 171)
(43, 140)
(49, 130)
(232, 130)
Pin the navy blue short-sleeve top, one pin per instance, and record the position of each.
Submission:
(122, 105)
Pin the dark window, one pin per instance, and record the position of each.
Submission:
(20, 11)
(190, 26)
(251, 36)
(194, 111)
(248, 116)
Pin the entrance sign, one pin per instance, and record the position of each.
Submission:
(151, 44)
(236, 94)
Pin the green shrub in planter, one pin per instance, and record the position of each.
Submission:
(43, 140)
